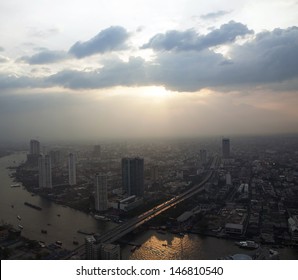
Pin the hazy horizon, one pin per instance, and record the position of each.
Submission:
(88, 71)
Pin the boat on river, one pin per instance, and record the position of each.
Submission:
(20, 226)
(32, 205)
(101, 218)
(248, 244)
(85, 232)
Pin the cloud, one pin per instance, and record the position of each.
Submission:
(214, 15)
(272, 57)
(268, 60)
(44, 57)
(114, 73)
(190, 40)
(43, 33)
(1, 49)
(9, 81)
(110, 39)
(3, 59)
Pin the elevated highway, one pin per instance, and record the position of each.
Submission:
(123, 229)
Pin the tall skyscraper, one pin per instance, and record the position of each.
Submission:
(72, 175)
(226, 147)
(34, 147)
(133, 176)
(44, 171)
(34, 151)
(101, 192)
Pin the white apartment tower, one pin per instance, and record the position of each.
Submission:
(101, 192)
(44, 171)
(72, 175)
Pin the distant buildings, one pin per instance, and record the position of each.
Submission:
(203, 156)
(56, 157)
(133, 176)
(44, 171)
(97, 151)
(154, 174)
(228, 179)
(226, 148)
(72, 179)
(101, 193)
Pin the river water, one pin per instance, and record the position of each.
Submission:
(155, 245)
(63, 228)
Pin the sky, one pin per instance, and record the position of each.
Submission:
(73, 69)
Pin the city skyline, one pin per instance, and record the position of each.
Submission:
(147, 69)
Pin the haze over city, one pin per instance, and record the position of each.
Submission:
(108, 69)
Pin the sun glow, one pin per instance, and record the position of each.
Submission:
(157, 93)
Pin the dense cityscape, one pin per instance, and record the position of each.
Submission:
(148, 130)
(241, 190)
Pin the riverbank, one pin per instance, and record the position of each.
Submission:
(60, 222)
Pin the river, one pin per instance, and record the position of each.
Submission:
(63, 227)
(155, 245)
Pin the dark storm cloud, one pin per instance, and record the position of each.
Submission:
(190, 40)
(215, 15)
(44, 57)
(112, 38)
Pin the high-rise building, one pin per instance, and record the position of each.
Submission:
(44, 171)
(101, 192)
(110, 252)
(91, 248)
(226, 147)
(95, 250)
(34, 151)
(72, 176)
(133, 176)
(34, 147)
(203, 156)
